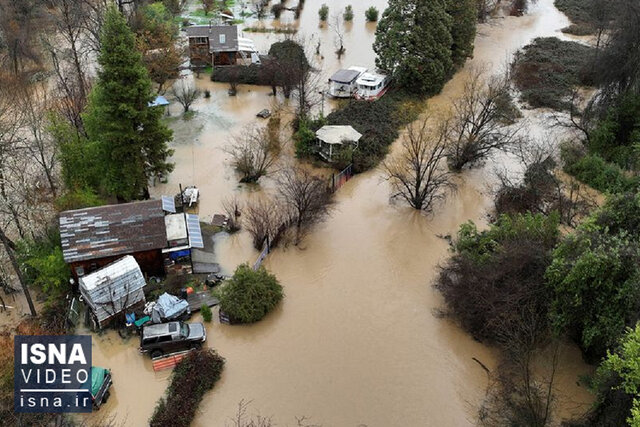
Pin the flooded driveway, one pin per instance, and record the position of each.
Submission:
(356, 341)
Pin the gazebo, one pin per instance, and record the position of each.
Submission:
(331, 138)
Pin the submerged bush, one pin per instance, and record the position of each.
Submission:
(547, 70)
(196, 374)
(348, 13)
(594, 171)
(205, 310)
(323, 12)
(249, 295)
(371, 14)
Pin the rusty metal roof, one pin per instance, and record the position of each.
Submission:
(112, 230)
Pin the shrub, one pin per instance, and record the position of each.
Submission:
(304, 140)
(348, 13)
(371, 14)
(249, 295)
(594, 171)
(205, 310)
(617, 136)
(78, 199)
(595, 284)
(579, 12)
(323, 12)
(547, 70)
(493, 284)
(207, 93)
(196, 374)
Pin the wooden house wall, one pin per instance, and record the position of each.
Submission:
(150, 262)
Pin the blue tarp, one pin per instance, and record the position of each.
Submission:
(160, 101)
(168, 307)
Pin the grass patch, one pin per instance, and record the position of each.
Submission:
(547, 70)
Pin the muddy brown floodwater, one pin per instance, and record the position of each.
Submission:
(355, 341)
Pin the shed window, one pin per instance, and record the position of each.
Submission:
(201, 40)
(223, 38)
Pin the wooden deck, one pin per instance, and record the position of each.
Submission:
(196, 300)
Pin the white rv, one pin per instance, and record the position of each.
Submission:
(370, 86)
(343, 83)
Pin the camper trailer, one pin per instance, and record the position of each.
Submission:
(343, 83)
(371, 86)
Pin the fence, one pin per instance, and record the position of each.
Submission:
(263, 254)
(340, 179)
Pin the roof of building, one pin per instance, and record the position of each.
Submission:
(114, 288)
(112, 230)
(344, 76)
(213, 32)
(371, 79)
(337, 134)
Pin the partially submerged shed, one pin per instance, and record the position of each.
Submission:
(331, 138)
(113, 289)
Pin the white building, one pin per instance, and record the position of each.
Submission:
(333, 138)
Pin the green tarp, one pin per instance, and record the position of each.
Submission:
(97, 378)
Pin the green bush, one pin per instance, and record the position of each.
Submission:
(371, 14)
(617, 137)
(305, 140)
(579, 12)
(323, 12)
(594, 279)
(249, 295)
(205, 310)
(348, 13)
(547, 70)
(594, 171)
(78, 199)
(196, 374)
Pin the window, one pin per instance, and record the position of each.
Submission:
(200, 40)
(164, 338)
(223, 38)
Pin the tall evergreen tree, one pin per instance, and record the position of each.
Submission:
(413, 42)
(464, 15)
(131, 139)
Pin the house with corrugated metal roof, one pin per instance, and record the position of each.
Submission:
(147, 230)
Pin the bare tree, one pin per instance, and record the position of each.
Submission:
(306, 196)
(486, 8)
(483, 121)
(417, 175)
(242, 419)
(20, 23)
(260, 7)
(254, 153)
(185, 94)
(16, 267)
(339, 35)
(233, 210)
(263, 219)
(35, 104)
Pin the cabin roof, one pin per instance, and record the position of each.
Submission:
(112, 230)
(213, 32)
(344, 76)
(331, 134)
(370, 79)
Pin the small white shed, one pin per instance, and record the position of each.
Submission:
(332, 137)
(113, 289)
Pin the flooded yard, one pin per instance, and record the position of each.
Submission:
(356, 341)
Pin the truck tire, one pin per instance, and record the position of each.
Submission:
(105, 397)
